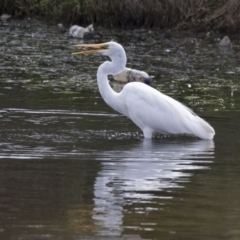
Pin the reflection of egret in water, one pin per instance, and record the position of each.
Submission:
(140, 175)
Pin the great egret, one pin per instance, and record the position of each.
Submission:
(81, 32)
(148, 108)
(132, 75)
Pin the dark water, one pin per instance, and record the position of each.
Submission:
(72, 168)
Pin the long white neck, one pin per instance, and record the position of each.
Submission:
(111, 68)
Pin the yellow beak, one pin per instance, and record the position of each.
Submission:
(91, 48)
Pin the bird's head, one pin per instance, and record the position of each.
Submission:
(111, 49)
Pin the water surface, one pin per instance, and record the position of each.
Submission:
(72, 168)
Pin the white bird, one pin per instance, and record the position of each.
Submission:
(132, 75)
(81, 32)
(148, 108)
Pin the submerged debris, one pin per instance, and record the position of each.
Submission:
(133, 75)
(5, 17)
(61, 27)
(81, 32)
(225, 42)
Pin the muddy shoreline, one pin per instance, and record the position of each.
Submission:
(194, 15)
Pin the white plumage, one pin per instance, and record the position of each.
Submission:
(148, 108)
(161, 113)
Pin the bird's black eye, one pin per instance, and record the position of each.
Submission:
(148, 81)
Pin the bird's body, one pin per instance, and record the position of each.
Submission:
(149, 109)
(155, 112)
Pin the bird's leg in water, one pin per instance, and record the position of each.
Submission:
(147, 132)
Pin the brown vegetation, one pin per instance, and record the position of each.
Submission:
(223, 15)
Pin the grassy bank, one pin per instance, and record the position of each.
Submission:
(222, 15)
